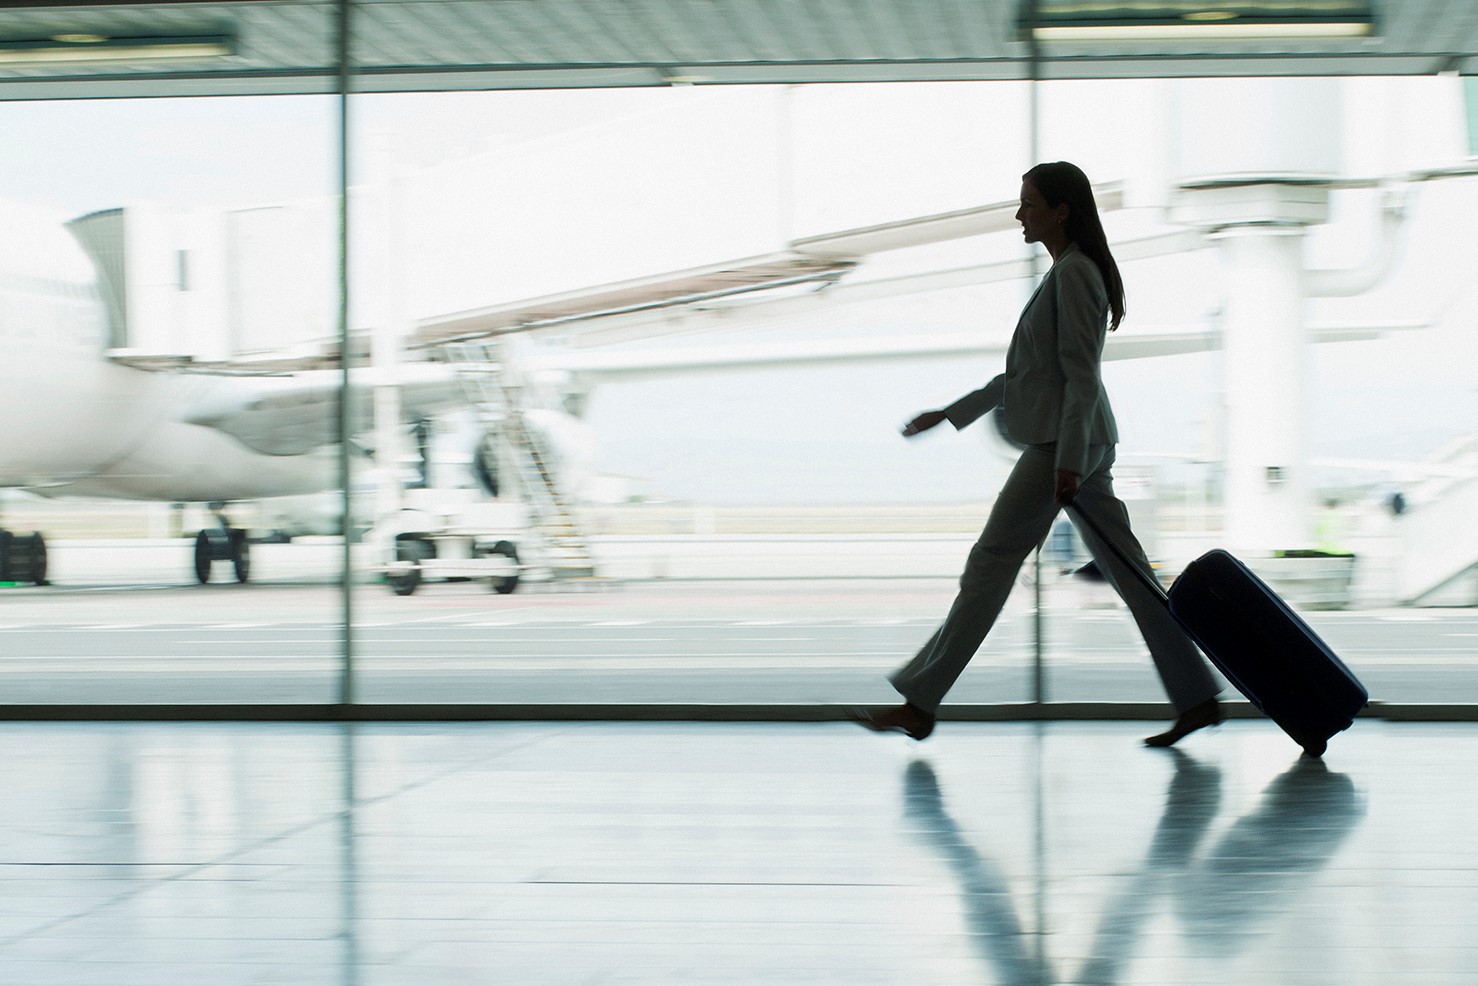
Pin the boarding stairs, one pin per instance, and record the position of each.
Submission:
(561, 551)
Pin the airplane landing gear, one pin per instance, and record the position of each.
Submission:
(23, 558)
(222, 543)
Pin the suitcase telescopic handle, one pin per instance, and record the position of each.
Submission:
(1147, 580)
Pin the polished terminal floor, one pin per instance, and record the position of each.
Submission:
(582, 853)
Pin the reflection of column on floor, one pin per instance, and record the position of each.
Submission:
(349, 857)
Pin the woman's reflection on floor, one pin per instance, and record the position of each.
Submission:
(990, 912)
(1220, 894)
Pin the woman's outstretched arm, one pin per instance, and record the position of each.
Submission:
(962, 412)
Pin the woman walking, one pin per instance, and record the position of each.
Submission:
(1054, 403)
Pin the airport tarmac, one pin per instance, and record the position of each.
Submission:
(818, 641)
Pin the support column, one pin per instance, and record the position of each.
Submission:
(1259, 227)
(1266, 491)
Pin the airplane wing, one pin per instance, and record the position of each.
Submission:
(292, 415)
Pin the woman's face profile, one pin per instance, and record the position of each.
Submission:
(1038, 221)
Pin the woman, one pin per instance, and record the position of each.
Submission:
(1053, 400)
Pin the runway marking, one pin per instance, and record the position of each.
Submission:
(141, 587)
(449, 619)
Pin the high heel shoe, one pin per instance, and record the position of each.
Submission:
(1207, 713)
(907, 719)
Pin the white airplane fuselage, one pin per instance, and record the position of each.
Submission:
(72, 422)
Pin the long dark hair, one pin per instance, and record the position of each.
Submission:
(1061, 182)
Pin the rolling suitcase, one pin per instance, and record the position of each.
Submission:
(1261, 645)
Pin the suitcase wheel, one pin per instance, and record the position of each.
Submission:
(1314, 747)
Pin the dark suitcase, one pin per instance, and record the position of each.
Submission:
(1262, 646)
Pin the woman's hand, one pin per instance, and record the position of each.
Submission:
(1066, 484)
(922, 423)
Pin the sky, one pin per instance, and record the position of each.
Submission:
(586, 187)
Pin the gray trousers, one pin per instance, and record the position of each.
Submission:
(1019, 522)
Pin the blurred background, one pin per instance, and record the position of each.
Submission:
(635, 359)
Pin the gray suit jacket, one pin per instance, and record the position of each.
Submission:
(1052, 391)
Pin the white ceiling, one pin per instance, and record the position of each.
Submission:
(289, 45)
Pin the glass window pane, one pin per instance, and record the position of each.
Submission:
(759, 530)
(150, 247)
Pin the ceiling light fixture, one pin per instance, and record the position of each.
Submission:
(79, 47)
(1184, 20)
